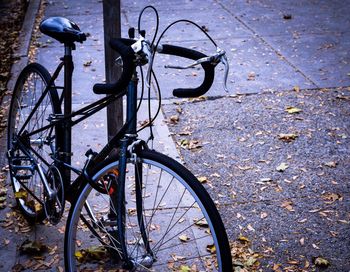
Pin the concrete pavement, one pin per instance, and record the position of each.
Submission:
(273, 46)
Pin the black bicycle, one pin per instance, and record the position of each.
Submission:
(139, 210)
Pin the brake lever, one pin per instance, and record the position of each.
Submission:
(224, 61)
(220, 56)
(142, 47)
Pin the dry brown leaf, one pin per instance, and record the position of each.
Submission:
(263, 215)
(202, 222)
(245, 168)
(174, 119)
(331, 164)
(287, 204)
(87, 63)
(184, 238)
(211, 248)
(203, 179)
(288, 137)
(293, 110)
(32, 247)
(321, 262)
(243, 239)
(330, 198)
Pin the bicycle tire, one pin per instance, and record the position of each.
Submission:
(186, 233)
(29, 86)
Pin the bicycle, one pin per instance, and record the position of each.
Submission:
(137, 210)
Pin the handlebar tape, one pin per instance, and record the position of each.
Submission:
(209, 70)
(123, 47)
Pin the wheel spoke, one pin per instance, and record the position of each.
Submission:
(29, 111)
(171, 211)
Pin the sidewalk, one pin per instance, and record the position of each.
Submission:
(281, 55)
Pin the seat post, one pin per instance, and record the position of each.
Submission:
(68, 73)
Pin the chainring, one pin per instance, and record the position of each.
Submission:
(55, 207)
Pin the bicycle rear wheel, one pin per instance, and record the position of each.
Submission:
(26, 152)
(171, 223)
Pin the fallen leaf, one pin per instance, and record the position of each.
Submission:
(245, 168)
(21, 194)
(211, 248)
(266, 179)
(184, 238)
(321, 262)
(293, 110)
(282, 167)
(202, 222)
(251, 76)
(185, 133)
(330, 198)
(287, 204)
(194, 144)
(331, 164)
(190, 145)
(18, 267)
(215, 175)
(276, 267)
(289, 137)
(249, 227)
(251, 261)
(263, 215)
(185, 268)
(32, 247)
(243, 239)
(3, 191)
(94, 253)
(315, 246)
(287, 16)
(203, 179)
(177, 257)
(307, 264)
(87, 63)
(296, 89)
(174, 119)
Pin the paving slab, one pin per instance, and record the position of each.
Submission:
(323, 58)
(300, 33)
(291, 217)
(267, 18)
(88, 69)
(68, 8)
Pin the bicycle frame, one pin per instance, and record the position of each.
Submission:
(67, 121)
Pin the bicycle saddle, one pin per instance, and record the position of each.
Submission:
(63, 30)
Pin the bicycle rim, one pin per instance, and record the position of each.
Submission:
(181, 228)
(24, 175)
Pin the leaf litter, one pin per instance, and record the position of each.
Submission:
(306, 124)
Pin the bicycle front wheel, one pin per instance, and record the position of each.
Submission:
(26, 152)
(170, 224)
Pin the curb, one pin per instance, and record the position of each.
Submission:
(21, 53)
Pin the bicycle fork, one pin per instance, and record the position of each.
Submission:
(118, 199)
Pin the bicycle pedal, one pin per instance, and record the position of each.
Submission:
(23, 177)
(107, 222)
